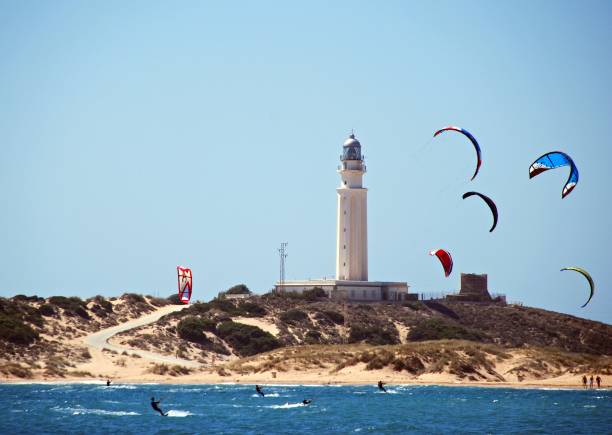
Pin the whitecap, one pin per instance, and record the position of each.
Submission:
(178, 413)
(267, 395)
(590, 406)
(120, 387)
(84, 411)
(286, 406)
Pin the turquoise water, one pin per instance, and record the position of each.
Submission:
(236, 409)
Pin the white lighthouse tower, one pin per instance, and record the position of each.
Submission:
(352, 227)
(351, 280)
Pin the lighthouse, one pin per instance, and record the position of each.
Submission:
(352, 223)
(351, 280)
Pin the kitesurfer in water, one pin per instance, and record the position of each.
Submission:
(155, 406)
(306, 401)
(258, 389)
(381, 386)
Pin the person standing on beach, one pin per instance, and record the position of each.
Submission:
(584, 381)
(258, 389)
(591, 382)
(598, 380)
(381, 386)
(108, 382)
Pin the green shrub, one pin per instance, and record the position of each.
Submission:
(239, 289)
(372, 335)
(440, 329)
(46, 310)
(313, 337)
(15, 369)
(133, 298)
(15, 331)
(158, 302)
(224, 305)
(410, 363)
(247, 340)
(442, 309)
(293, 316)
(24, 298)
(174, 299)
(198, 308)
(103, 303)
(413, 305)
(314, 293)
(192, 329)
(70, 303)
(251, 309)
(334, 316)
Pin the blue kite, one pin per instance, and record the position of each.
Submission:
(552, 160)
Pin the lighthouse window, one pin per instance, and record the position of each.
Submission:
(345, 182)
(344, 230)
(344, 211)
(364, 294)
(344, 246)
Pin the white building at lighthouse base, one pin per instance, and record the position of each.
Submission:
(360, 291)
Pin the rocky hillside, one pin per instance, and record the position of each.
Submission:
(262, 323)
(38, 334)
(483, 342)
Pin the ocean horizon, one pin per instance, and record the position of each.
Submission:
(92, 407)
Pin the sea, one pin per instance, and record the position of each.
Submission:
(94, 408)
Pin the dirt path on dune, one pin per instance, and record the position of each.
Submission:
(99, 340)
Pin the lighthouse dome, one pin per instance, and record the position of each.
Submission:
(351, 149)
(351, 141)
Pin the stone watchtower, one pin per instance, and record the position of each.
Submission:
(473, 288)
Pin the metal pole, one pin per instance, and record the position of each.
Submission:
(282, 252)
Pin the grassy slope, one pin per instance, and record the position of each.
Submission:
(392, 331)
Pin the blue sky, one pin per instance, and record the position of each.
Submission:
(136, 136)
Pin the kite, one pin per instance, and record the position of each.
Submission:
(471, 138)
(184, 284)
(589, 279)
(445, 258)
(489, 202)
(552, 160)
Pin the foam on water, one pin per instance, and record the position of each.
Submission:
(286, 406)
(85, 411)
(185, 390)
(178, 413)
(118, 387)
(267, 395)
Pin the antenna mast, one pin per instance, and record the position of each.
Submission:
(282, 253)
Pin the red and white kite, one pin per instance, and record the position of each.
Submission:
(446, 260)
(184, 284)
